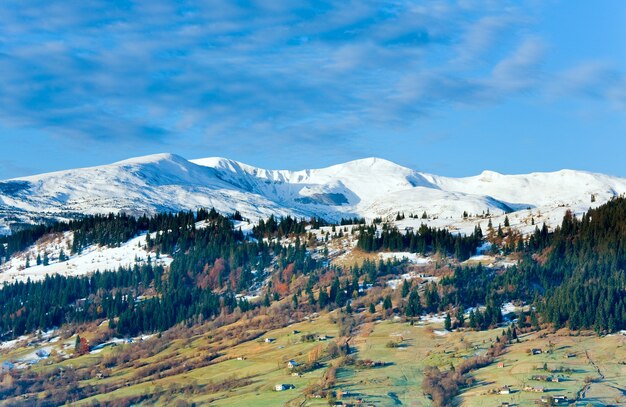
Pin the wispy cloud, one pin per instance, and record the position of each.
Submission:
(158, 71)
(599, 80)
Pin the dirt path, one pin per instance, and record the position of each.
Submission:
(582, 392)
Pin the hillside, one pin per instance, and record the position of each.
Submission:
(369, 188)
(200, 308)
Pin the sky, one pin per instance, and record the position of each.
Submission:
(446, 87)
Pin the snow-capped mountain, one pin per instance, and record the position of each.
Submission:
(370, 187)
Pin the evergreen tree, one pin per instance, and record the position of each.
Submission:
(406, 286)
(387, 305)
(448, 322)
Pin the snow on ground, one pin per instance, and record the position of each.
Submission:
(369, 188)
(483, 248)
(482, 258)
(118, 341)
(248, 297)
(244, 226)
(411, 257)
(395, 283)
(91, 259)
(432, 319)
(12, 343)
(34, 357)
(508, 308)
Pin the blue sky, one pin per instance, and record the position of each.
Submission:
(449, 87)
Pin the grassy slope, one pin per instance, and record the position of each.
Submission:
(398, 383)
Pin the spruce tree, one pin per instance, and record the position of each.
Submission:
(447, 322)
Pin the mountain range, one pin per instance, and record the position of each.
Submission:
(370, 187)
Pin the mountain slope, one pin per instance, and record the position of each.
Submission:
(370, 187)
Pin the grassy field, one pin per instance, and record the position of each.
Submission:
(594, 372)
(590, 358)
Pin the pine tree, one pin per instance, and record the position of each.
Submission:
(406, 286)
(448, 322)
(77, 347)
(473, 323)
(266, 300)
(460, 316)
(387, 305)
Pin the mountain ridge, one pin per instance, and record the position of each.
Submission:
(369, 187)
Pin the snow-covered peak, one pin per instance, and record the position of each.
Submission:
(369, 187)
(152, 158)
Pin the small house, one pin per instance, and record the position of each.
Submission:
(283, 387)
(555, 379)
(269, 340)
(537, 351)
(500, 365)
(322, 337)
(505, 390)
(295, 332)
(291, 364)
(241, 358)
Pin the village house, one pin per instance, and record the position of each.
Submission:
(291, 364)
(537, 351)
(283, 387)
(554, 399)
(505, 390)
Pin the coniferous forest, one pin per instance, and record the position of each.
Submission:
(573, 276)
